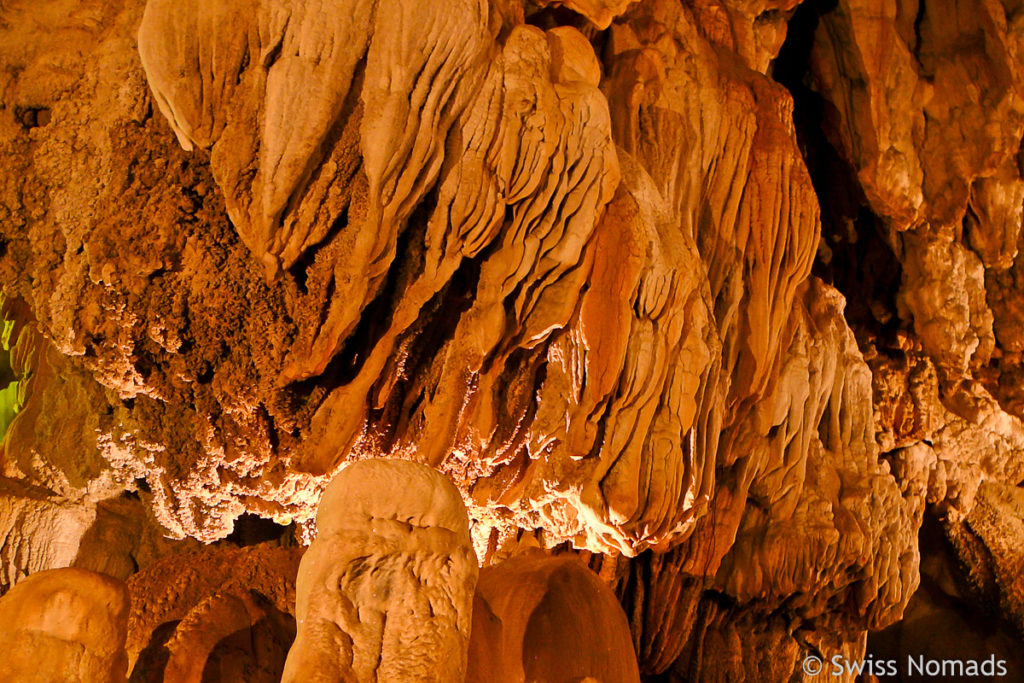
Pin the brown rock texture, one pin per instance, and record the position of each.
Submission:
(721, 295)
(216, 614)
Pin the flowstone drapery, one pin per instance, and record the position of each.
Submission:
(721, 296)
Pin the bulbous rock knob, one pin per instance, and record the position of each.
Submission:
(64, 626)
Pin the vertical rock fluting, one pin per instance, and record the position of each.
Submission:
(560, 251)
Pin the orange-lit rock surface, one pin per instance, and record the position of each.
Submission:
(222, 613)
(539, 618)
(385, 591)
(726, 294)
(64, 625)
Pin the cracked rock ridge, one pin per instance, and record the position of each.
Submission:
(720, 295)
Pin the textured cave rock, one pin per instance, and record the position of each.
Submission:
(220, 613)
(724, 295)
(531, 610)
(64, 625)
(385, 592)
(923, 104)
(944, 619)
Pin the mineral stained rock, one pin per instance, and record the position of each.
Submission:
(64, 625)
(385, 592)
(726, 295)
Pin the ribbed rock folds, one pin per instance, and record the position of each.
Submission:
(720, 296)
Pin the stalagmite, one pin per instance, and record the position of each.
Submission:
(385, 591)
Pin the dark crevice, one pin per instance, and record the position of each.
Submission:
(854, 255)
(517, 397)
(442, 314)
(274, 53)
(205, 375)
(553, 16)
(349, 115)
(918, 23)
(948, 617)
(723, 601)
(154, 657)
(33, 116)
(251, 530)
(657, 678)
(244, 66)
(599, 437)
(272, 435)
(422, 343)
(376, 316)
(300, 269)
(255, 654)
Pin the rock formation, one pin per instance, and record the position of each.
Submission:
(540, 618)
(722, 296)
(64, 625)
(385, 592)
(220, 614)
